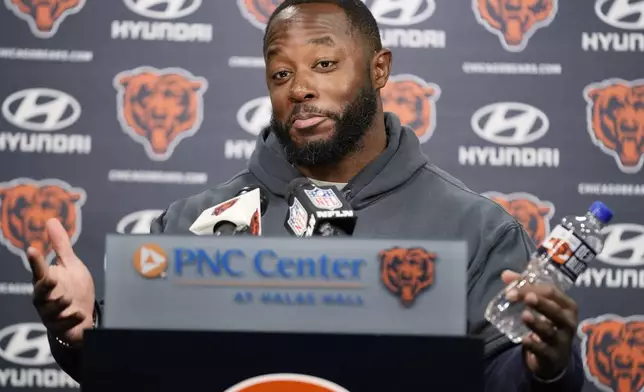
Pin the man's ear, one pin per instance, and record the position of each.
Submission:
(381, 68)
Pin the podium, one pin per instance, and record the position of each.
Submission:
(261, 314)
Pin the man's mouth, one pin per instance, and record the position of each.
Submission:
(309, 122)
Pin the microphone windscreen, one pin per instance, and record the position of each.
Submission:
(296, 183)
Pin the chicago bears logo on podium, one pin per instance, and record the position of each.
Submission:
(44, 16)
(286, 382)
(407, 272)
(27, 204)
(514, 21)
(159, 108)
(615, 118)
(613, 352)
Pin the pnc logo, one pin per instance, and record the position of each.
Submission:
(44, 16)
(26, 205)
(615, 120)
(159, 108)
(255, 115)
(510, 123)
(622, 14)
(533, 214)
(41, 109)
(286, 382)
(163, 9)
(137, 222)
(613, 352)
(25, 344)
(413, 100)
(407, 272)
(624, 245)
(514, 21)
(150, 261)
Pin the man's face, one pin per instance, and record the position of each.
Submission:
(319, 83)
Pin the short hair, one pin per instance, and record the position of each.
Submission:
(360, 18)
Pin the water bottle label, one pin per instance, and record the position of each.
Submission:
(567, 252)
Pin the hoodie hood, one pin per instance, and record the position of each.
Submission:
(400, 160)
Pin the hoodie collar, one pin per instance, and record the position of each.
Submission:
(393, 167)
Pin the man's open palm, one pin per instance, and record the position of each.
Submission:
(63, 293)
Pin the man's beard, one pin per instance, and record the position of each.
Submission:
(347, 138)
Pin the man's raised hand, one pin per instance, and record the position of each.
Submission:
(63, 293)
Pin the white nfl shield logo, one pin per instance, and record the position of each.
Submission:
(297, 218)
(323, 198)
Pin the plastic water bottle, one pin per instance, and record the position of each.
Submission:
(559, 260)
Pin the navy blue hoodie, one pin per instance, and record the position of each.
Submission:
(437, 207)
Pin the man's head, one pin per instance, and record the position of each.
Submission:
(324, 67)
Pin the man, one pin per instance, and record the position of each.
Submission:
(324, 69)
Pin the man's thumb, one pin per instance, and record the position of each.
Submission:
(509, 276)
(37, 263)
(60, 241)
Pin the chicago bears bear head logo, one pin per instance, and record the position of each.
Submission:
(257, 12)
(44, 16)
(613, 352)
(533, 214)
(413, 100)
(159, 108)
(286, 382)
(514, 21)
(224, 206)
(407, 272)
(615, 118)
(25, 207)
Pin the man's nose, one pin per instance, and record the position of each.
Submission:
(301, 90)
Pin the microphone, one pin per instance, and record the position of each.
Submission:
(239, 215)
(318, 211)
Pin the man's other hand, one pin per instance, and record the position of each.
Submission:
(63, 293)
(548, 348)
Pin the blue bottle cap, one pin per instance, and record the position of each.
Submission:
(601, 212)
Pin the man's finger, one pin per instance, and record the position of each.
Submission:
(549, 291)
(60, 240)
(509, 276)
(551, 310)
(37, 264)
(539, 348)
(63, 325)
(541, 326)
(43, 288)
(51, 310)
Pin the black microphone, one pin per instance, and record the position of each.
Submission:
(227, 227)
(318, 211)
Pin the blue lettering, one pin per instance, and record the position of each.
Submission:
(269, 265)
(258, 262)
(183, 257)
(219, 264)
(306, 267)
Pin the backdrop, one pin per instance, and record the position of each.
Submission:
(537, 103)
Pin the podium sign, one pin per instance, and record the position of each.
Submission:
(338, 285)
(261, 314)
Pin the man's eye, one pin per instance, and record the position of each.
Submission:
(326, 64)
(280, 75)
